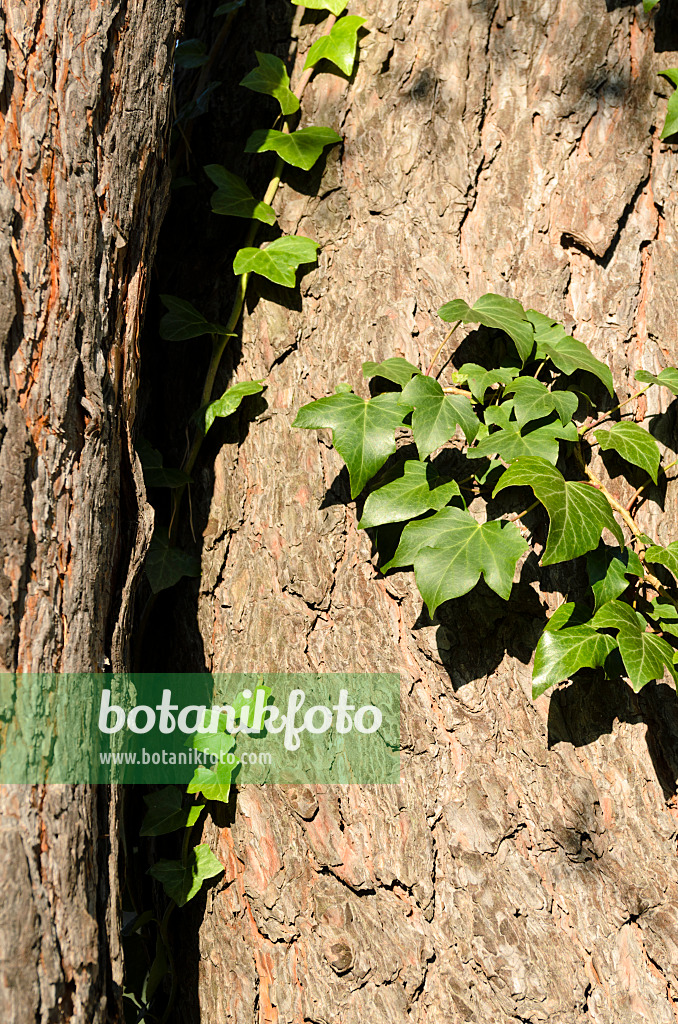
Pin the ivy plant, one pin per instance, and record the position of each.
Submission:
(520, 423)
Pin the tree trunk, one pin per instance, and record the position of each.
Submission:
(84, 100)
(525, 868)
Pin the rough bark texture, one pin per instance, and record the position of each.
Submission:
(525, 869)
(84, 100)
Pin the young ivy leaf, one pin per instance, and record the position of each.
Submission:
(534, 401)
(562, 652)
(668, 378)
(166, 565)
(214, 783)
(234, 199)
(155, 474)
(181, 882)
(608, 569)
(511, 443)
(649, 4)
(231, 400)
(363, 432)
(166, 813)
(339, 46)
(633, 443)
(279, 260)
(479, 379)
(418, 490)
(396, 369)
(301, 148)
(671, 122)
(667, 556)
(271, 78)
(436, 414)
(183, 321)
(192, 53)
(578, 512)
(494, 311)
(450, 551)
(334, 6)
(565, 352)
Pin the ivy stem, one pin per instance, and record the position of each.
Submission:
(521, 515)
(441, 347)
(608, 415)
(162, 927)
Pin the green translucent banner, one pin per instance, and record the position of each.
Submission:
(176, 728)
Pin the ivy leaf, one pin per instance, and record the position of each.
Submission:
(649, 4)
(633, 443)
(166, 814)
(618, 615)
(565, 352)
(339, 46)
(534, 401)
(671, 122)
(418, 490)
(279, 260)
(301, 148)
(397, 369)
(363, 432)
(450, 551)
(166, 565)
(181, 882)
(494, 311)
(436, 414)
(511, 443)
(479, 379)
(667, 556)
(192, 53)
(234, 199)
(562, 652)
(228, 8)
(608, 569)
(231, 400)
(155, 474)
(578, 512)
(214, 783)
(183, 321)
(668, 378)
(572, 613)
(645, 655)
(271, 78)
(334, 6)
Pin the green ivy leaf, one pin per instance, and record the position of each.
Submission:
(645, 655)
(494, 311)
(301, 148)
(166, 565)
(271, 78)
(231, 400)
(668, 378)
(234, 199)
(667, 556)
(396, 369)
(339, 46)
(479, 379)
(436, 414)
(279, 260)
(166, 813)
(649, 4)
(578, 512)
(155, 474)
(214, 783)
(572, 613)
(192, 53)
(363, 432)
(418, 490)
(450, 551)
(618, 615)
(671, 122)
(232, 5)
(562, 652)
(608, 569)
(183, 321)
(633, 443)
(181, 882)
(565, 352)
(511, 443)
(334, 6)
(534, 401)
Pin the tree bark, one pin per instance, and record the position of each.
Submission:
(525, 868)
(84, 99)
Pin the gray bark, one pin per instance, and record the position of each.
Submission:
(525, 869)
(83, 113)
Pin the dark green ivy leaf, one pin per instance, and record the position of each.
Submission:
(450, 551)
(271, 78)
(562, 652)
(229, 7)
(668, 378)
(301, 148)
(608, 569)
(479, 379)
(511, 443)
(395, 369)
(183, 321)
(181, 882)
(436, 415)
(578, 512)
(418, 490)
(338, 46)
(633, 443)
(190, 54)
(166, 813)
(645, 655)
(279, 260)
(667, 556)
(234, 199)
(363, 432)
(155, 474)
(166, 565)
(534, 401)
(494, 311)
(565, 352)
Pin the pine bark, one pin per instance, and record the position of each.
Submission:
(84, 96)
(525, 868)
